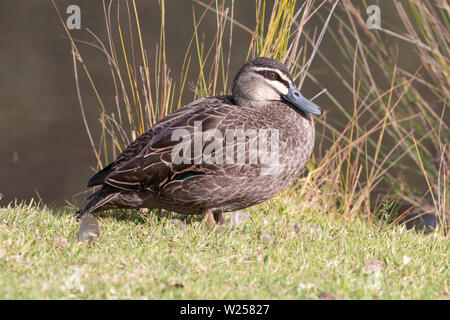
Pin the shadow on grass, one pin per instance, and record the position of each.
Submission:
(139, 216)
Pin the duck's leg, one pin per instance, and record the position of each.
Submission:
(219, 218)
(209, 218)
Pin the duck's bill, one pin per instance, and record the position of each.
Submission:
(295, 97)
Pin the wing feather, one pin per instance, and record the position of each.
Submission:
(146, 162)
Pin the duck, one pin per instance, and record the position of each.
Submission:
(217, 154)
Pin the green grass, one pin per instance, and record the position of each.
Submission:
(267, 257)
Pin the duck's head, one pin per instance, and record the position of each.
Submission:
(263, 80)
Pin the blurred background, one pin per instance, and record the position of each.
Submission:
(44, 147)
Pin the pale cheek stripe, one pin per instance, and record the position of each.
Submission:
(278, 86)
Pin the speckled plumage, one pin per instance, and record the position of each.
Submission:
(144, 175)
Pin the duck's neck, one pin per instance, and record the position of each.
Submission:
(243, 102)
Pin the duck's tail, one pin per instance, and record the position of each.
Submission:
(98, 201)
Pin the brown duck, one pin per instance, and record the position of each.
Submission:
(216, 154)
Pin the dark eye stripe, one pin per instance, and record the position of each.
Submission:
(265, 74)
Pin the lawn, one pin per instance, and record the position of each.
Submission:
(282, 251)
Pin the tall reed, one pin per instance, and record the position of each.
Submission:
(398, 132)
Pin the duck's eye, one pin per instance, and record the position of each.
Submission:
(272, 75)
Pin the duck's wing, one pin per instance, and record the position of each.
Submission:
(145, 160)
(132, 150)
